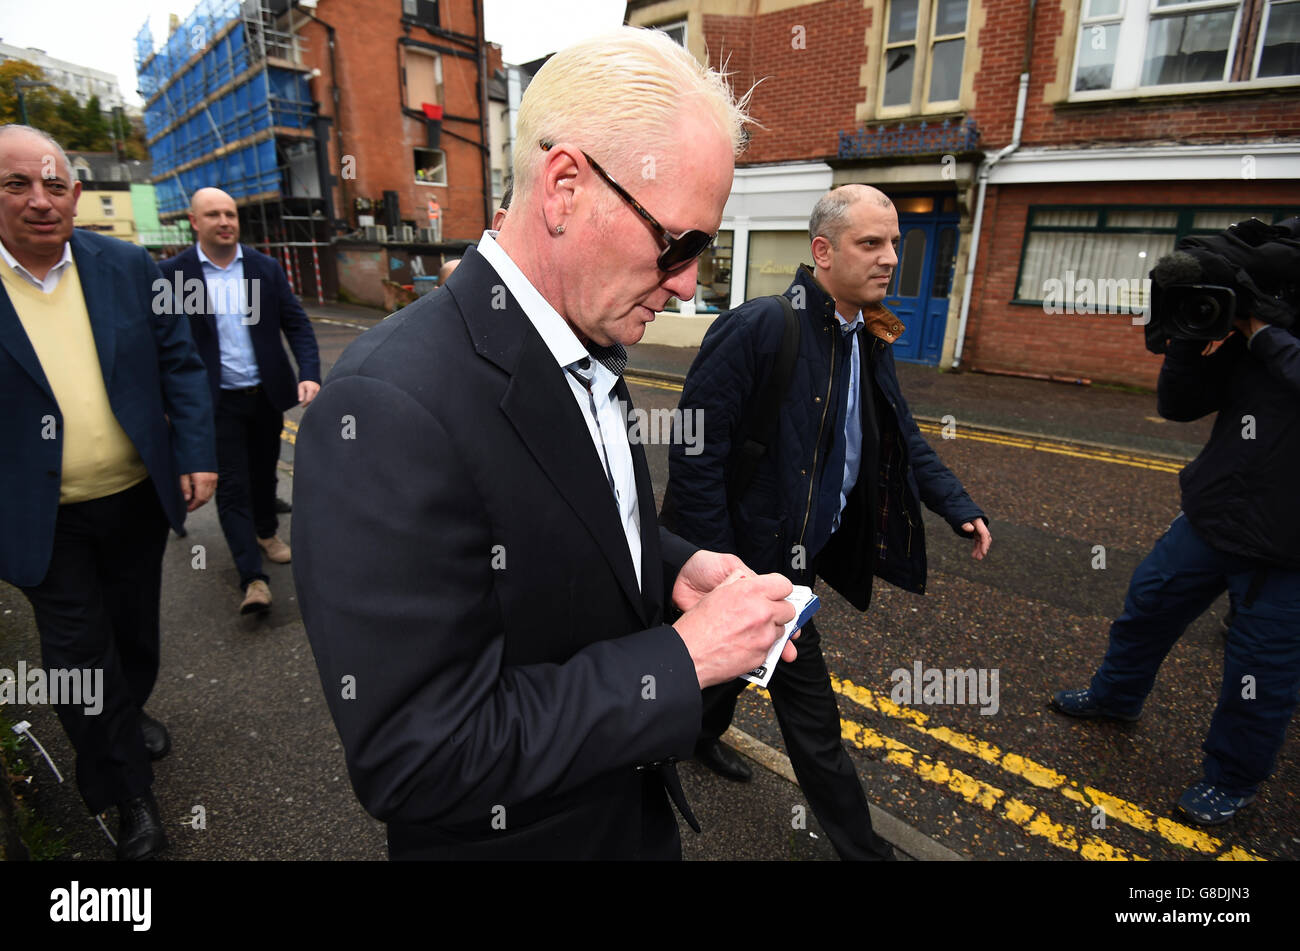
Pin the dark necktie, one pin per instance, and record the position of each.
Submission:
(585, 379)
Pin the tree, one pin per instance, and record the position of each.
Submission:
(77, 127)
(40, 101)
(94, 128)
(65, 123)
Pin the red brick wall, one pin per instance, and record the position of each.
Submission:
(1193, 119)
(376, 133)
(1001, 46)
(808, 94)
(1005, 336)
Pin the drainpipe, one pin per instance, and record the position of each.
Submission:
(338, 117)
(480, 53)
(985, 167)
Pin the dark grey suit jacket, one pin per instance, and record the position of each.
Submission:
(501, 686)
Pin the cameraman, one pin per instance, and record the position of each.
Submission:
(1240, 531)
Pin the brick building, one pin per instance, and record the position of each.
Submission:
(1142, 121)
(392, 60)
(350, 132)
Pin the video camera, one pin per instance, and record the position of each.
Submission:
(1208, 281)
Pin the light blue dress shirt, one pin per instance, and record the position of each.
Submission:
(226, 291)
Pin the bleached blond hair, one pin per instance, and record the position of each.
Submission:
(621, 95)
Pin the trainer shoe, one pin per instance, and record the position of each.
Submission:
(257, 598)
(1211, 805)
(275, 550)
(1081, 703)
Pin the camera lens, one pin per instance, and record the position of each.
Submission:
(1200, 313)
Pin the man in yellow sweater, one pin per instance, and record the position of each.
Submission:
(108, 436)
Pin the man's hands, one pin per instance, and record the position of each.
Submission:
(983, 538)
(729, 628)
(307, 391)
(1249, 326)
(703, 572)
(197, 488)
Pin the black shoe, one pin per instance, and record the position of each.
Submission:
(282, 507)
(140, 832)
(1081, 703)
(156, 739)
(723, 760)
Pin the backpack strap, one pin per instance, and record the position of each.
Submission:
(767, 415)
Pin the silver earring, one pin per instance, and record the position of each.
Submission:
(559, 229)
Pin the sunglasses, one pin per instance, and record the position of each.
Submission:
(677, 251)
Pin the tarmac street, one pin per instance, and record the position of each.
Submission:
(942, 697)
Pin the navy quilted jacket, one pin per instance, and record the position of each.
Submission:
(783, 519)
(1239, 493)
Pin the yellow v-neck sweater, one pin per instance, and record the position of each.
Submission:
(99, 458)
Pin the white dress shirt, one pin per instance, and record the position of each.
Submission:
(610, 423)
(52, 276)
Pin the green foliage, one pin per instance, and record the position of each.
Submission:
(42, 843)
(77, 128)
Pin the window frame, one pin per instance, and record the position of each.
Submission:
(414, 16)
(445, 177)
(1262, 32)
(408, 50)
(672, 25)
(927, 13)
(1134, 21)
(1185, 226)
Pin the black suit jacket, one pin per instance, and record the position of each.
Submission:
(278, 310)
(499, 682)
(155, 386)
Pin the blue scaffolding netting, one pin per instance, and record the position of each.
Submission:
(185, 120)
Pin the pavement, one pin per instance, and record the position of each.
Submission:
(754, 821)
(244, 701)
(1108, 419)
(1120, 418)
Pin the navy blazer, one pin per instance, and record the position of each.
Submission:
(278, 310)
(460, 559)
(155, 384)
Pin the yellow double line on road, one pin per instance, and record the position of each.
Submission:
(998, 802)
(1058, 447)
(993, 437)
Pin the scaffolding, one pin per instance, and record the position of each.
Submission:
(228, 104)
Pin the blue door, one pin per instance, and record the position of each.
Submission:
(918, 294)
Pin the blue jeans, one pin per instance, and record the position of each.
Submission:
(1173, 586)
